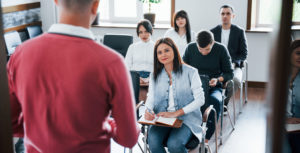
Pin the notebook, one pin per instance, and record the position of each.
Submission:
(292, 127)
(162, 121)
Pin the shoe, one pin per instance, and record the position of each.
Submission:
(225, 111)
(204, 150)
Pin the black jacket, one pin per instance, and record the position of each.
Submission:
(237, 43)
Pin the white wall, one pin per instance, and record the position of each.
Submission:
(204, 14)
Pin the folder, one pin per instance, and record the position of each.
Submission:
(162, 121)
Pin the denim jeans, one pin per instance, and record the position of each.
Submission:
(144, 74)
(19, 146)
(215, 99)
(174, 138)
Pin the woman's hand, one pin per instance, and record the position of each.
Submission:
(293, 120)
(171, 114)
(149, 116)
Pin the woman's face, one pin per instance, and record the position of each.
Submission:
(144, 35)
(165, 54)
(181, 22)
(296, 57)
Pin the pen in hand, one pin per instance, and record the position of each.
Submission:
(149, 114)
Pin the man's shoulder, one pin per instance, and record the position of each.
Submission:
(236, 27)
(216, 28)
(219, 46)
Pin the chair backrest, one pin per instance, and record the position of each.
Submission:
(23, 35)
(34, 31)
(119, 43)
(136, 85)
(12, 40)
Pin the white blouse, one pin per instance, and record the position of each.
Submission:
(139, 56)
(180, 41)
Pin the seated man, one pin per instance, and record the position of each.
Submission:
(233, 37)
(212, 59)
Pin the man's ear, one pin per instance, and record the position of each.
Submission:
(233, 16)
(95, 7)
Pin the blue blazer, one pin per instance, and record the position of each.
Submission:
(237, 44)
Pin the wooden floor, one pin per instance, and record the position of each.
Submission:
(249, 134)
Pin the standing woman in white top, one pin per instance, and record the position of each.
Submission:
(181, 34)
(139, 56)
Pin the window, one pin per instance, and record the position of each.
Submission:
(262, 13)
(131, 11)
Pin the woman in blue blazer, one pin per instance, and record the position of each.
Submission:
(175, 90)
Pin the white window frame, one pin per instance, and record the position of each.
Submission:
(129, 20)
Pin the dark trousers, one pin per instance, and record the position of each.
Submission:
(294, 141)
(215, 99)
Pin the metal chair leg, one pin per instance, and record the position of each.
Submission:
(230, 118)
(241, 98)
(246, 83)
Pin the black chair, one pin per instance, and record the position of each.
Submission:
(117, 42)
(12, 40)
(23, 35)
(34, 31)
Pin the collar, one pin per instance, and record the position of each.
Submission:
(71, 30)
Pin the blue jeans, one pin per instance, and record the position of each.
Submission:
(144, 74)
(215, 99)
(174, 138)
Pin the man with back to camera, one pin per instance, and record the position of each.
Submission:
(233, 37)
(213, 60)
(64, 86)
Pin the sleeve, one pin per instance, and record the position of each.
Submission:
(243, 47)
(126, 130)
(186, 57)
(198, 94)
(226, 66)
(16, 109)
(129, 57)
(150, 94)
(167, 34)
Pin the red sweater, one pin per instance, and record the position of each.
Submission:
(63, 89)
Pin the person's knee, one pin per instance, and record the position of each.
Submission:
(176, 146)
(153, 141)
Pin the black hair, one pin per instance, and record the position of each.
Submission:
(183, 14)
(146, 24)
(227, 6)
(177, 63)
(295, 44)
(204, 38)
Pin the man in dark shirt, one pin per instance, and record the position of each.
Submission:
(233, 37)
(212, 59)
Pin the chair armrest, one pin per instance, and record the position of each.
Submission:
(140, 104)
(226, 83)
(207, 112)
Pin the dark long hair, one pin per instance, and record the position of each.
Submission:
(177, 63)
(183, 14)
(295, 44)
